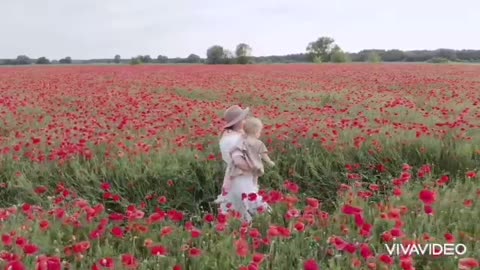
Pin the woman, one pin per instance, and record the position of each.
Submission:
(239, 192)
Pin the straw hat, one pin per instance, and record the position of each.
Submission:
(234, 114)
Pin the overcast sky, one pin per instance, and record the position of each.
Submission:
(102, 28)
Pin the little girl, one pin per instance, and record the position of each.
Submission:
(253, 150)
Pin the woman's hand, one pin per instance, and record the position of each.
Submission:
(241, 163)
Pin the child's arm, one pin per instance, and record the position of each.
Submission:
(264, 155)
(267, 159)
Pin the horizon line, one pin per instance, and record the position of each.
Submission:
(254, 56)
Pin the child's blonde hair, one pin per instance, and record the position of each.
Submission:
(252, 126)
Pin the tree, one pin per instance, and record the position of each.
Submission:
(146, 59)
(193, 58)
(468, 55)
(66, 60)
(446, 53)
(366, 55)
(338, 55)
(42, 61)
(228, 57)
(374, 57)
(162, 59)
(136, 60)
(418, 56)
(215, 55)
(23, 60)
(321, 49)
(438, 60)
(393, 56)
(243, 53)
(117, 59)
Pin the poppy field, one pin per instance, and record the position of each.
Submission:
(107, 167)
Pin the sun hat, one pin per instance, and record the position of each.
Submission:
(234, 114)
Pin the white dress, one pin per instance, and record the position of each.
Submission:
(240, 193)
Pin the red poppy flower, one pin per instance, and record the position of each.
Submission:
(162, 200)
(118, 232)
(49, 263)
(129, 261)
(209, 218)
(166, 231)
(471, 175)
(30, 249)
(374, 187)
(20, 241)
(428, 209)
(7, 240)
(158, 250)
(106, 186)
(241, 247)
(15, 265)
(195, 252)
(359, 220)
(292, 187)
(449, 238)
(195, 233)
(258, 258)
(252, 197)
(313, 203)
(387, 237)
(311, 265)
(299, 226)
(40, 190)
(81, 247)
(397, 232)
(351, 210)
(397, 192)
(350, 248)
(406, 262)
(338, 242)
(156, 218)
(108, 263)
(366, 252)
(384, 258)
(428, 197)
(468, 203)
(468, 264)
(175, 216)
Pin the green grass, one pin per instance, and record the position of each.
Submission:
(318, 173)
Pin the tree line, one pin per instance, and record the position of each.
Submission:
(321, 50)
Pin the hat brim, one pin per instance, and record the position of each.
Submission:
(242, 116)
